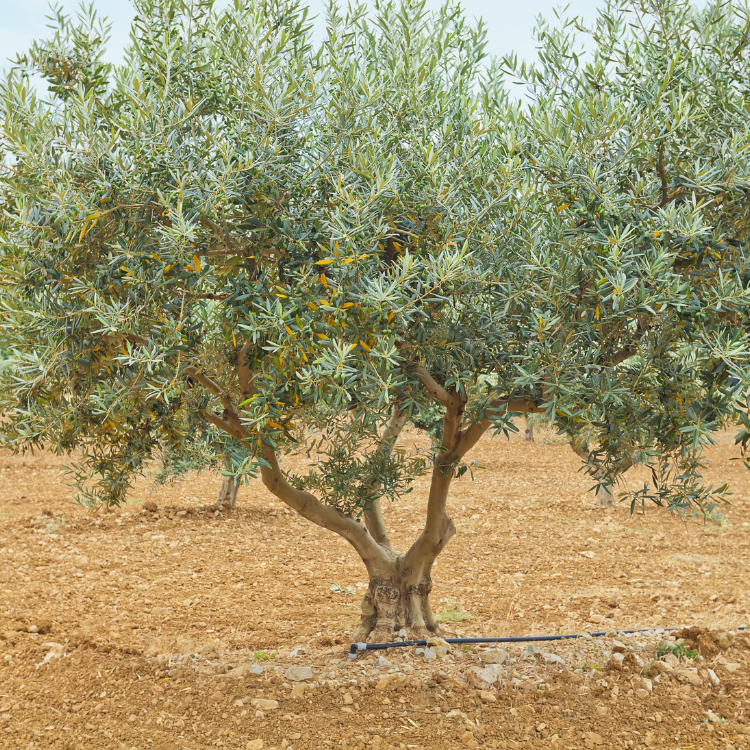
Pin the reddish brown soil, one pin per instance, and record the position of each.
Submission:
(144, 614)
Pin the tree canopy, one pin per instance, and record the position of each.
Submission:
(239, 243)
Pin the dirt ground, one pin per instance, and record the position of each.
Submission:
(175, 628)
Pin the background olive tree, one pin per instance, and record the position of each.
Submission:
(644, 143)
(236, 246)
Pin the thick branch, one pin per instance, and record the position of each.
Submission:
(222, 424)
(662, 172)
(223, 231)
(375, 557)
(229, 421)
(620, 356)
(308, 506)
(374, 514)
(244, 372)
(225, 398)
(470, 436)
(440, 394)
(438, 528)
(580, 449)
(204, 380)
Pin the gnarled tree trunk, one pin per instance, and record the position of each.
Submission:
(400, 584)
(398, 596)
(395, 603)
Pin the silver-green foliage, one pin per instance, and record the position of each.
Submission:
(339, 216)
(644, 148)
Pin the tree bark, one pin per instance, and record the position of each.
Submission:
(400, 585)
(398, 595)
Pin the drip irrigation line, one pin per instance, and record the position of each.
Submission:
(355, 648)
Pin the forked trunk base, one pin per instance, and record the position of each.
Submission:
(392, 605)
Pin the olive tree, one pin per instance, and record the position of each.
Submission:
(643, 144)
(238, 246)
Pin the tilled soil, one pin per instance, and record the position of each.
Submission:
(174, 627)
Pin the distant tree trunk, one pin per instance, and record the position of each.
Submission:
(604, 496)
(528, 434)
(228, 492)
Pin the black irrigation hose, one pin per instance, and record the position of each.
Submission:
(356, 647)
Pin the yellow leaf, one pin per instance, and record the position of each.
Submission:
(283, 296)
(312, 306)
(321, 336)
(289, 331)
(397, 246)
(324, 280)
(347, 305)
(197, 262)
(597, 312)
(234, 340)
(325, 261)
(364, 346)
(390, 317)
(276, 425)
(348, 260)
(563, 207)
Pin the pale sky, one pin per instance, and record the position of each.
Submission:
(509, 23)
